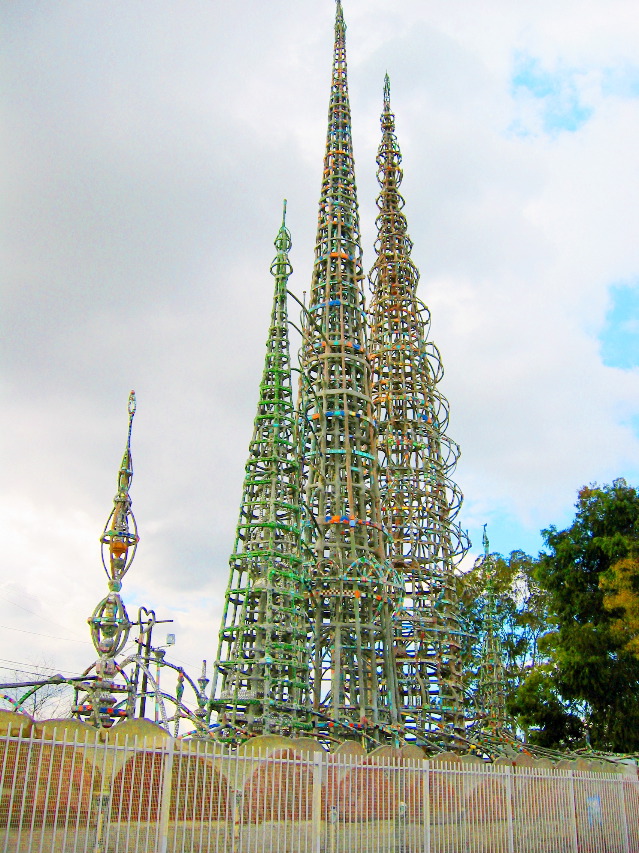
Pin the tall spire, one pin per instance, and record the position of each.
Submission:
(416, 457)
(261, 671)
(492, 674)
(353, 589)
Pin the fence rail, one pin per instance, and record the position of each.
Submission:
(166, 796)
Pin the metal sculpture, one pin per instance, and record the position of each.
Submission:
(261, 681)
(491, 688)
(111, 690)
(109, 624)
(353, 588)
(419, 500)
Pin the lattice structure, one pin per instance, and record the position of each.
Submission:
(491, 689)
(109, 623)
(354, 590)
(261, 671)
(419, 500)
(116, 688)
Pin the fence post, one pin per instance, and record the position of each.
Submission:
(511, 807)
(318, 759)
(573, 822)
(102, 800)
(624, 814)
(165, 802)
(426, 803)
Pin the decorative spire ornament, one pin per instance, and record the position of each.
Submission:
(109, 622)
(353, 589)
(110, 689)
(261, 672)
(419, 500)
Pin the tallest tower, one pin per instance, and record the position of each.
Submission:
(353, 591)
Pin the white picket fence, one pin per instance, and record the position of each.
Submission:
(167, 796)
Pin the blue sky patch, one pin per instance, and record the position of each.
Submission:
(556, 95)
(506, 533)
(620, 82)
(620, 335)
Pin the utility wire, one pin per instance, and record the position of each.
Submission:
(33, 612)
(48, 636)
(35, 671)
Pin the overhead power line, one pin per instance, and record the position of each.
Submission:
(48, 636)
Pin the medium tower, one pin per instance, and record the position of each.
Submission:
(353, 589)
(261, 672)
(419, 501)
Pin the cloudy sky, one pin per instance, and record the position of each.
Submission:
(145, 151)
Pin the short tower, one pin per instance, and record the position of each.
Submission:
(260, 676)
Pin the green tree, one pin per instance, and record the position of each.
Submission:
(620, 585)
(589, 667)
(542, 713)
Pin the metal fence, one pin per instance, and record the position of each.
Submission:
(167, 796)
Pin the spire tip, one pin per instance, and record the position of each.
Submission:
(283, 240)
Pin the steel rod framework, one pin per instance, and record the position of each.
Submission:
(419, 500)
(109, 623)
(260, 681)
(353, 588)
(491, 688)
(112, 693)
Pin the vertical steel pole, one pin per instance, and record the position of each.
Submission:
(318, 760)
(426, 804)
(624, 814)
(165, 806)
(573, 822)
(510, 804)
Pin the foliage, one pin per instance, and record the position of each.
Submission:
(547, 719)
(590, 666)
(620, 585)
(568, 624)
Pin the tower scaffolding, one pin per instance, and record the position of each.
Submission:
(260, 682)
(491, 688)
(419, 500)
(353, 588)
